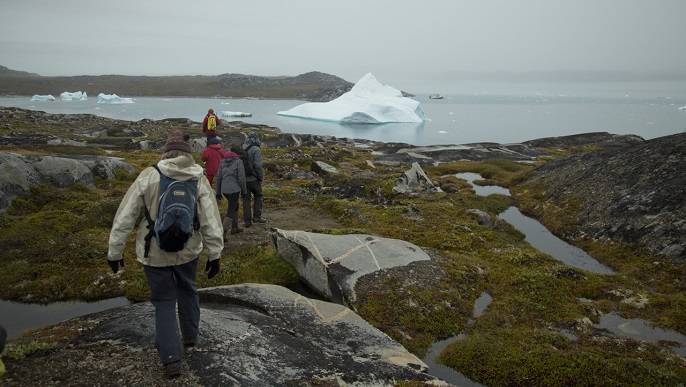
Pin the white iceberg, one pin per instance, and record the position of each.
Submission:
(235, 114)
(113, 99)
(368, 102)
(37, 97)
(78, 96)
(682, 108)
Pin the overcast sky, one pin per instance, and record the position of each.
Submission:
(389, 38)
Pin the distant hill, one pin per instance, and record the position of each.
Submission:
(7, 73)
(312, 86)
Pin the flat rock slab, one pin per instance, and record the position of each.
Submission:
(250, 335)
(332, 264)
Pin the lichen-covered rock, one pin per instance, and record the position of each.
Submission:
(332, 264)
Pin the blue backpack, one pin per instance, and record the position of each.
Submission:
(177, 216)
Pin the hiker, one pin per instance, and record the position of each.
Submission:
(209, 125)
(171, 275)
(253, 180)
(212, 156)
(231, 184)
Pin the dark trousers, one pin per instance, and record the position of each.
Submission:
(169, 286)
(232, 198)
(255, 189)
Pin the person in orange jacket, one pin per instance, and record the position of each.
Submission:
(209, 125)
(212, 156)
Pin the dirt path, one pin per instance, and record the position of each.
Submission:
(287, 218)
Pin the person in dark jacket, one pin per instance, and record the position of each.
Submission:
(212, 156)
(231, 184)
(253, 181)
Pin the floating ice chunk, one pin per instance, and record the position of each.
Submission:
(368, 102)
(37, 97)
(78, 96)
(113, 99)
(235, 114)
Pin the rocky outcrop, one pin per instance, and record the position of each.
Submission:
(632, 193)
(250, 335)
(19, 172)
(414, 181)
(332, 264)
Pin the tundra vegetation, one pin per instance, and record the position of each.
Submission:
(538, 330)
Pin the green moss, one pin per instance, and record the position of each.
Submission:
(20, 351)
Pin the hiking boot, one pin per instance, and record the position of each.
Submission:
(234, 226)
(259, 220)
(248, 223)
(172, 369)
(191, 342)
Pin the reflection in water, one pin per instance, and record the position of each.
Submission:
(482, 190)
(18, 317)
(443, 372)
(543, 240)
(641, 330)
(481, 304)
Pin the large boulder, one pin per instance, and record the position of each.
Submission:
(331, 265)
(19, 172)
(250, 335)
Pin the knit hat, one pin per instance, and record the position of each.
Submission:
(214, 140)
(178, 141)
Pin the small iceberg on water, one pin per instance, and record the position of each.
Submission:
(113, 99)
(368, 102)
(235, 114)
(41, 98)
(78, 96)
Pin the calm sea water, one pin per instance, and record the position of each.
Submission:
(478, 112)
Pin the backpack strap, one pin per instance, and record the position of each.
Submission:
(151, 223)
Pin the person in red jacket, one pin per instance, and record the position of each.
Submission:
(212, 156)
(209, 125)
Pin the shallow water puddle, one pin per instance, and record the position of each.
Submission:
(31, 316)
(444, 372)
(641, 330)
(482, 190)
(537, 235)
(543, 240)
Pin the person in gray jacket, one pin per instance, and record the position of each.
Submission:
(171, 276)
(231, 184)
(253, 181)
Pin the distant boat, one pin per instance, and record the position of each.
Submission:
(436, 96)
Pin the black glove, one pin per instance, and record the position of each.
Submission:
(212, 268)
(115, 265)
(218, 196)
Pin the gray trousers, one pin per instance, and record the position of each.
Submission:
(255, 188)
(169, 286)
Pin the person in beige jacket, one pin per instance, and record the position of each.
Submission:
(171, 276)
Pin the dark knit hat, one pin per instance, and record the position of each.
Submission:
(214, 140)
(178, 141)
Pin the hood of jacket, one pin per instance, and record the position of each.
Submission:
(231, 155)
(215, 146)
(181, 168)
